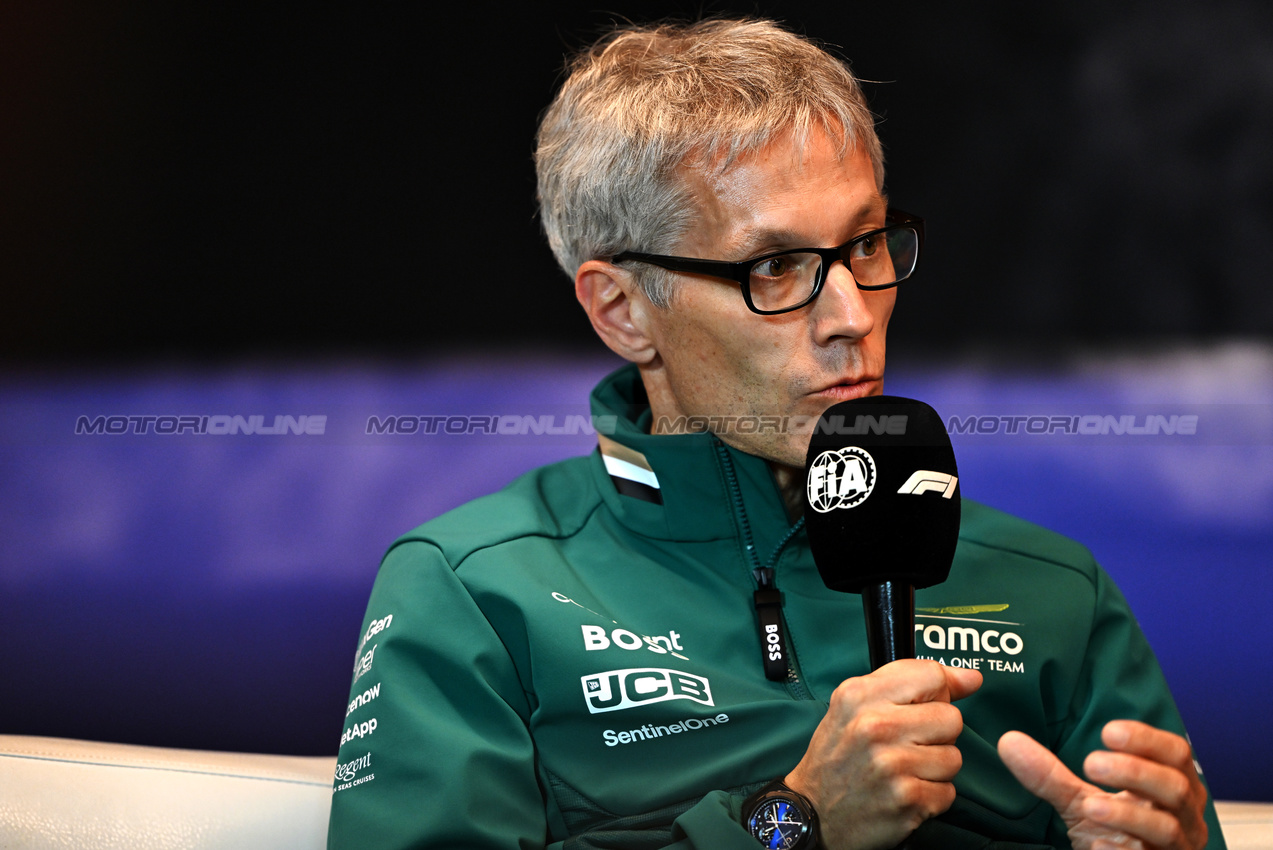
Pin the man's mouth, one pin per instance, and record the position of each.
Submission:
(852, 388)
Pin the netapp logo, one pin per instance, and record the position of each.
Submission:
(616, 690)
(359, 730)
(840, 479)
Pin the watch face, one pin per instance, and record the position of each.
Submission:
(779, 824)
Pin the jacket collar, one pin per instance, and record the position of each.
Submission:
(678, 486)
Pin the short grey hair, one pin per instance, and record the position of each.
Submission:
(645, 101)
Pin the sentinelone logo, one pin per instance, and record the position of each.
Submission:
(215, 425)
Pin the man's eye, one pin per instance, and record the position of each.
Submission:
(773, 267)
(867, 247)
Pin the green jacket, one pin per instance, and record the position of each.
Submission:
(568, 665)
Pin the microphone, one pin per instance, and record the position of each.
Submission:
(882, 511)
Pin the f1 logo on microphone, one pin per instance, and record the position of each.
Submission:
(927, 481)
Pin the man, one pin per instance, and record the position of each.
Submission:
(577, 661)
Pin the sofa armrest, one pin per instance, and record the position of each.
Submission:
(61, 793)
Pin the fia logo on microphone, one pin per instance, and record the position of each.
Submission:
(840, 478)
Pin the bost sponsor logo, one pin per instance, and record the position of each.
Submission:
(597, 638)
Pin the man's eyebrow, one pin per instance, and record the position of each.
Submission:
(752, 238)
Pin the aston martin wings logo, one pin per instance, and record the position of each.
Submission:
(964, 610)
(925, 480)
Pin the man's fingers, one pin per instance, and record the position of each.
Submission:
(1041, 772)
(1141, 739)
(1150, 766)
(1161, 784)
(929, 723)
(939, 763)
(910, 680)
(1135, 817)
(962, 682)
(1160, 800)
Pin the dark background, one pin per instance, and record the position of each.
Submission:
(291, 210)
(207, 180)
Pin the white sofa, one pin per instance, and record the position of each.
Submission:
(59, 793)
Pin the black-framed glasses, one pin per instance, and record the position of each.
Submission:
(787, 280)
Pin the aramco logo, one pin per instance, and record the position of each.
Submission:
(840, 478)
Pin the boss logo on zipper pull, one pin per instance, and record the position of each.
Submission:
(773, 643)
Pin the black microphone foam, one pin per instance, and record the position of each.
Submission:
(882, 511)
(881, 495)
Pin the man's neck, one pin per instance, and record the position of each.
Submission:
(789, 480)
(663, 406)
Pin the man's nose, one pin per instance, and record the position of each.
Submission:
(840, 310)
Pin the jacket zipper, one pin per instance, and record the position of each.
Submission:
(766, 590)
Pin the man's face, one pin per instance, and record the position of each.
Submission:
(720, 359)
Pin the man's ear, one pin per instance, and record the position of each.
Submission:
(618, 309)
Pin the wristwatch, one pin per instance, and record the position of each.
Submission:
(781, 819)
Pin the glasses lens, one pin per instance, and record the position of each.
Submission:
(786, 280)
(884, 258)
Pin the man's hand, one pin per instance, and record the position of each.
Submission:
(1161, 804)
(882, 759)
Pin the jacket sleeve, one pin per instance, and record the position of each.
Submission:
(1120, 679)
(439, 717)
(436, 749)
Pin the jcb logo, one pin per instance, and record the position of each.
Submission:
(616, 690)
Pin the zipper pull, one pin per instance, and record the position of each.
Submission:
(769, 617)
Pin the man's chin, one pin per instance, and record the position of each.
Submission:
(786, 450)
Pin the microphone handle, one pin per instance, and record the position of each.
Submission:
(890, 621)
